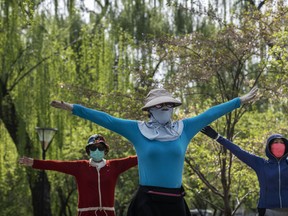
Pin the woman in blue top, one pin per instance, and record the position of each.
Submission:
(272, 173)
(160, 145)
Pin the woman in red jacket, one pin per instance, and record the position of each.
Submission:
(96, 178)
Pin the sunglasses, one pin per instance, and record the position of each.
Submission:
(169, 105)
(94, 147)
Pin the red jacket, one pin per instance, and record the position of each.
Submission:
(95, 187)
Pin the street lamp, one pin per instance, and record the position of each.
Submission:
(45, 136)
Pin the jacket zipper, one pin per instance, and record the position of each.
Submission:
(99, 188)
(279, 171)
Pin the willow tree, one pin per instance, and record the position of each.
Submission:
(17, 62)
(26, 76)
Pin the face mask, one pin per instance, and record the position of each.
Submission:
(160, 115)
(97, 155)
(278, 149)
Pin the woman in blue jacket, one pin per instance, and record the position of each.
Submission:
(160, 145)
(272, 173)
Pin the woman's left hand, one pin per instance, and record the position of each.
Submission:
(250, 96)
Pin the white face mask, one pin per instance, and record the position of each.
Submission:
(97, 155)
(162, 115)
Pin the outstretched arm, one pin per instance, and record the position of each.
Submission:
(250, 159)
(126, 163)
(103, 119)
(68, 167)
(26, 161)
(195, 124)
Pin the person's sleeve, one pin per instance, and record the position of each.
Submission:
(118, 125)
(250, 159)
(195, 124)
(68, 167)
(126, 163)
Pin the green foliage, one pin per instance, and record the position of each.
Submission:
(110, 62)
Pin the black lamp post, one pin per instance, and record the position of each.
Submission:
(45, 136)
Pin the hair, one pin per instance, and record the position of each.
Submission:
(149, 114)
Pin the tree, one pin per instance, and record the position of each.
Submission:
(219, 66)
(113, 59)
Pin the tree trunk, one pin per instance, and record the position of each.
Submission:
(14, 123)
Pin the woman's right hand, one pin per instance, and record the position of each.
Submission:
(62, 105)
(26, 161)
(210, 132)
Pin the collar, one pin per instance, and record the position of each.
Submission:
(154, 131)
(98, 165)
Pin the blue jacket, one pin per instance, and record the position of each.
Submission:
(272, 173)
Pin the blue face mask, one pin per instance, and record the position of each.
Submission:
(163, 115)
(97, 155)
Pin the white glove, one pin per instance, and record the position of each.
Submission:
(62, 105)
(250, 96)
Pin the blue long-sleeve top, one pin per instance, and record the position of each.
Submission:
(160, 163)
(272, 174)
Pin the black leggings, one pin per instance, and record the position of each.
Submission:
(157, 201)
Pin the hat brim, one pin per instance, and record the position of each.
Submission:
(101, 142)
(160, 100)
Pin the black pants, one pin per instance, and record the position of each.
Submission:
(157, 201)
(261, 211)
